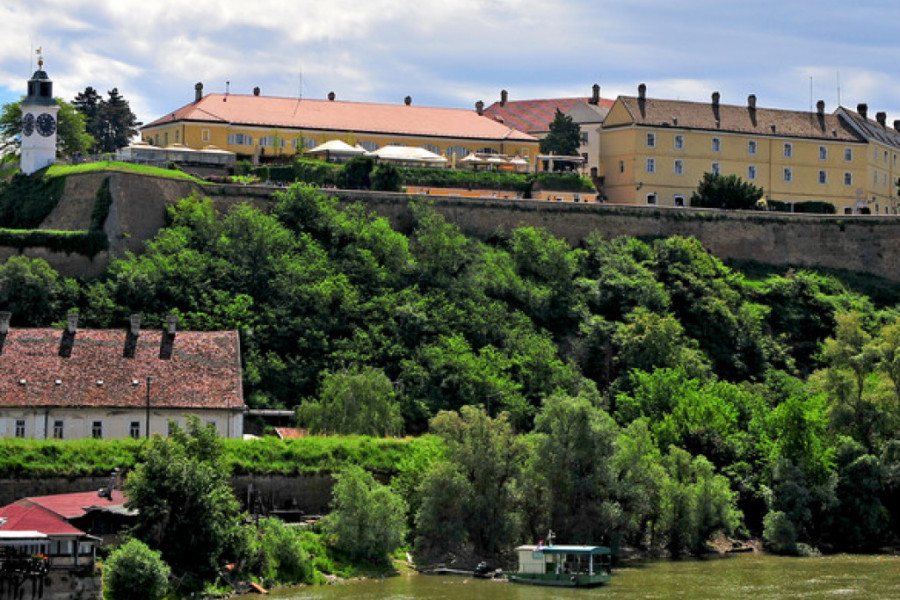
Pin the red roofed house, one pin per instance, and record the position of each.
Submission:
(257, 125)
(534, 117)
(44, 524)
(76, 384)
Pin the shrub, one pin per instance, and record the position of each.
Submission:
(285, 560)
(779, 533)
(135, 572)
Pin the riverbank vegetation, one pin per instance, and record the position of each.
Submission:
(626, 391)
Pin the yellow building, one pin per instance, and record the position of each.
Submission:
(262, 126)
(656, 152)
(879, 190)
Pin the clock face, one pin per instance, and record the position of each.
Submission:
(45, 124)
(27, 124)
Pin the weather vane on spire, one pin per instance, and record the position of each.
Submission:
(40, 57)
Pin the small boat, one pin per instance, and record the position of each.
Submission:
(563, 566)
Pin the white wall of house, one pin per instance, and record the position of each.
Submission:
(107, 423)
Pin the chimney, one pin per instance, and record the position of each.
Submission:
(863, 110)
(256, 91)
(131, 337)
(408, 100)
(331, 96)
(595, 94)
(72, 322)
(897, 126)
(504, 96)
(751, 101)
(68, 336)
(642, 92)
(198, 92)
(479, 108)
(881, 117)
(715, 99)
(820, 107)
(167, 343)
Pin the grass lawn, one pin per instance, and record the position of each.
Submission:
(111, 165)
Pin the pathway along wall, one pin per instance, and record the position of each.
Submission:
(868, 244)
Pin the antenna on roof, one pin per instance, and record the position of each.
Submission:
(299, 93)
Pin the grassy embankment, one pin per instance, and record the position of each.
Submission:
(266, 456)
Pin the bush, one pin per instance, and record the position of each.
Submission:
(26, 200)
(316, 172)
(386, 178)
(284, 558)
(822, 208)
(779, 533)
(135, 572)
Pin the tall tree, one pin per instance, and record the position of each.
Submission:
(564, 137)
(110, 121)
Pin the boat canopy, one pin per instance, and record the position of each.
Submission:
(582, 550)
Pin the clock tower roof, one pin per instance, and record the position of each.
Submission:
(40, 88)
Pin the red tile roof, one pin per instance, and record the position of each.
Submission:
(70, 506)
(290, 433)
(25, 515)
(203, 372)
(534, 116)
(356, 117)
(738, 119)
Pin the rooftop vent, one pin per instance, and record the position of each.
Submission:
(99, 382)
(23, 381)
(57, 382)
(408, 100)
(331, 96)
(256, 91)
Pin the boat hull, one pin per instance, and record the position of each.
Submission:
(565, 580)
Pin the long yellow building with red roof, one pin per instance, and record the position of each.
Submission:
(265, 126)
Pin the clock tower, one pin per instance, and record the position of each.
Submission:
(39, 112)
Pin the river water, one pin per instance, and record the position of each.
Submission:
(733, 577)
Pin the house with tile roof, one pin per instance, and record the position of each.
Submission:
(882, 169)
(89, 383)
(49, 525)
(257, 126)
(655, 151)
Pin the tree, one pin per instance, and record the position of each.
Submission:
(186, 507)
(135, 572)
(71, 136)
(726, 191)
(357, 173)
(31, 290)
(357, 401)
(564, 137)
(386, 178)
(110, 122)
(367, 518)
(283, 556)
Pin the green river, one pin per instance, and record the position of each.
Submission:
(734, 577)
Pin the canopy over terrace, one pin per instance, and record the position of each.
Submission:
(335, 149)
(409, 155)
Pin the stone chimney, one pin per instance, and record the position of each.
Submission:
(897, 125)
(881, 117)
(331, 96)
(68, 337)
(167, 343)
(504, 96)
(408, 100)
(595, 94)
(863, 110)
(751, 101)
(715, 106)
(820, 107)
(131, 337)
(479, 108)
(256, 91)
(642, 92)
(198, 92)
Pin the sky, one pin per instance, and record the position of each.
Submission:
(452, 53)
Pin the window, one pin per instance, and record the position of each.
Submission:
(848, 178)
(170, 427)
(651, 165)
(97, 430)
(20, 428)
(751, 171)
(679, 167)
(431, 148)
(885, 157)
(239, 139)
(651, 140)
(876, 178)
(751, 147)
(457, 151)
(823, 153)
(134, 430)
(823, 176)
(716, 144)
(679, 142)
(716, 168)
(305, 143)
(584, 138)
(204, 135)
(679, 200)
(788, 150)
(788, 174)
(848, 154)
(177, 133)
(58, 429)
(270, 141)
(621, 166)
(166, 138)
(651, 199)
